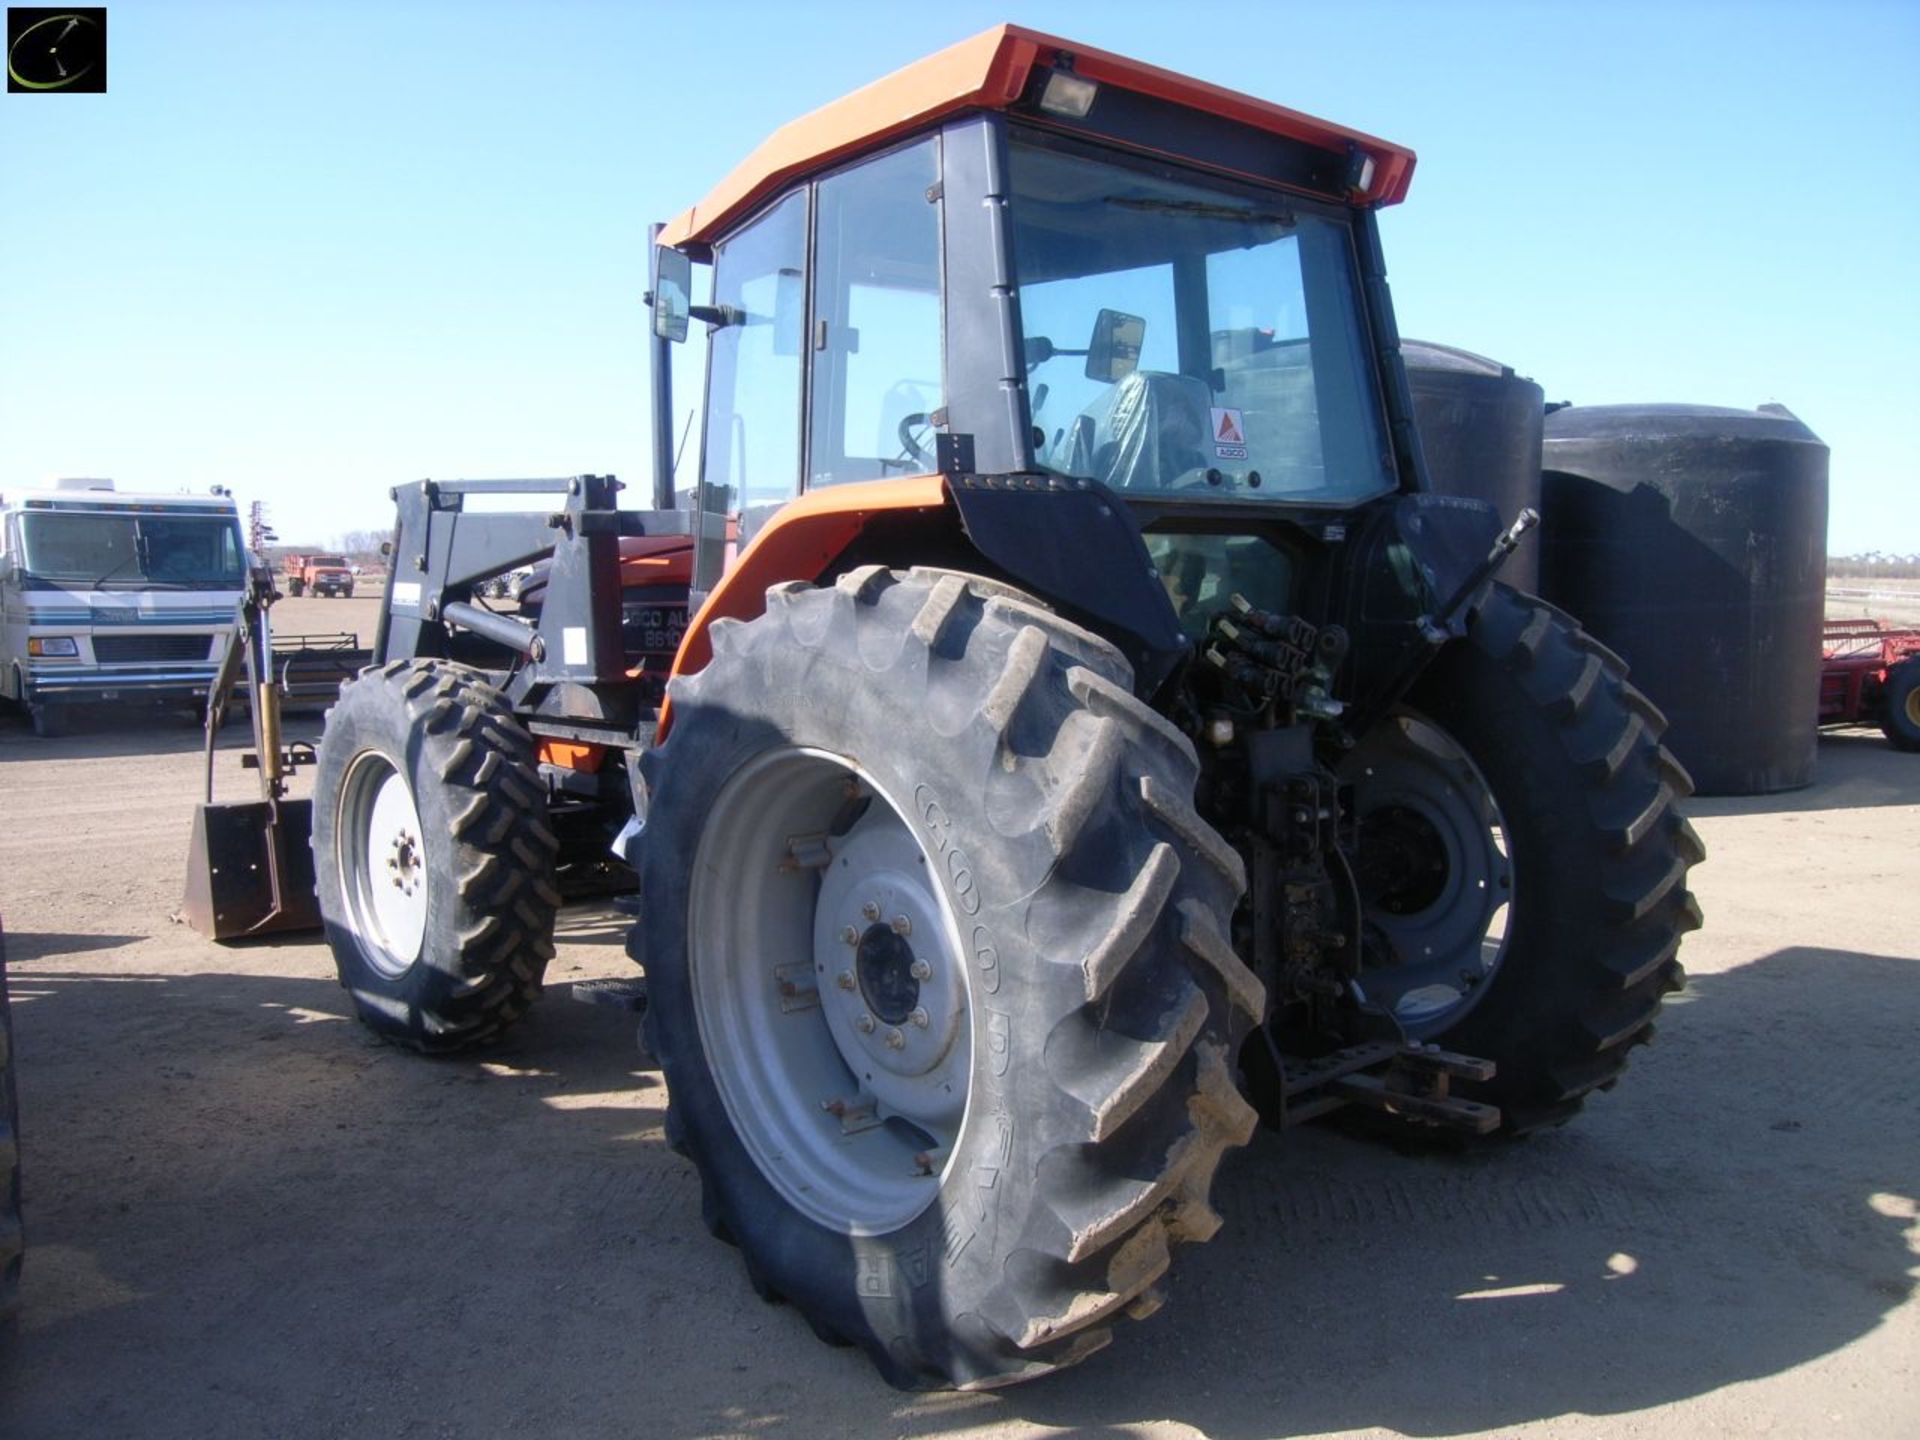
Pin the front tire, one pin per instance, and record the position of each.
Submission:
(969, 1151)
(1523, 864)
(432, 855)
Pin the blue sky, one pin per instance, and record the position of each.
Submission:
(310, 250)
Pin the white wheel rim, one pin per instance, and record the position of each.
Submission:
(832, 998)
(382, 860)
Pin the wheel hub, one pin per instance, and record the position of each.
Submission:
(1435, 877)
(1402, 865)
(884, 964)
(897, 1001)
(403, 862)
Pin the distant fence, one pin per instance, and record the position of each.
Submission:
(1892, 593)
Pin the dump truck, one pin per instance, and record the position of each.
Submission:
(321, 575)
(1056, 730)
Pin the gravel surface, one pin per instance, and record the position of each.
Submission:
(247, 1218)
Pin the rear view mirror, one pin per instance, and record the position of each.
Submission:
(672, 293)
(1114, 351)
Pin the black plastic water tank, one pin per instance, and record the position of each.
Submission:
(1479, 425)
(1693, 540)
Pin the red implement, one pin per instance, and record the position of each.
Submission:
(1857, 657)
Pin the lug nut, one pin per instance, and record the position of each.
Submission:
(919, 1017)
(902, 925)
(920, 969)
(895, 1040)
(849, 936)
(871, 910)
(845, 980)
(864, 1024)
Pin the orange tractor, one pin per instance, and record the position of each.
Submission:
(1057, 728)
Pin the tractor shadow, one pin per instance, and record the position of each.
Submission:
(1715, 1220)
(108, 733)
(240, 1207)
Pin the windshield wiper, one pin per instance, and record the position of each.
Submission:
(1203, 210)
(115, 571)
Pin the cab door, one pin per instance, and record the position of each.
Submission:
(824, 367)
(751, 441)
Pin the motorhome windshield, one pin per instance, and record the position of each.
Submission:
(1191, 342)
(144, 551)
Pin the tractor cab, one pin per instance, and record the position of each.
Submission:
(1021, 258)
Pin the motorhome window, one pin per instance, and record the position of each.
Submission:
(132, 551)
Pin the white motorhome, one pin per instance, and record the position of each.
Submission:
(111, 597)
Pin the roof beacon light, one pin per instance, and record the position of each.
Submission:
(1359, 171)
(1068, 94)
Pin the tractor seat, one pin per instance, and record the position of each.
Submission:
(1145, 433)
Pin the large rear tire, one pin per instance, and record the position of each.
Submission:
(432, 855)
(1523, 866)
(938, 972)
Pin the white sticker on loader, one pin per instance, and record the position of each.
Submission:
(406, 595)
(573, 645)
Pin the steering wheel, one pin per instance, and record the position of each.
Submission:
(910, 446)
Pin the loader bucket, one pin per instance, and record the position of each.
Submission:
(249, 869)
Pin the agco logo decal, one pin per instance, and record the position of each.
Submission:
(54, 49)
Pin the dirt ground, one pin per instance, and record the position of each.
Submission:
(247, 1218)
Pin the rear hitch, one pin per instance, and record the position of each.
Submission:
(1410, 1080)
(1397, 1077)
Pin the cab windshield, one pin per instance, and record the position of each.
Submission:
(1191, 341)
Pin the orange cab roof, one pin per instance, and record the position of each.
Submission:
(990, 72)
